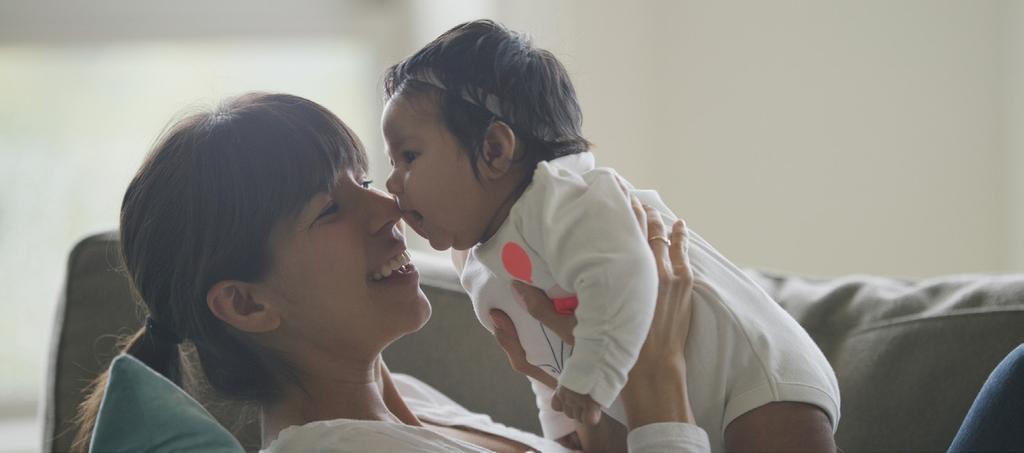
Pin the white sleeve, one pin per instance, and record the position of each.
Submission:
(586, 232)
(668, 437)
(554, 424)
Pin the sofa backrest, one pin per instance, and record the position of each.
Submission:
(909, 356)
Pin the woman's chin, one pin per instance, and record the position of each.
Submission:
(424, 313)
(413, 317)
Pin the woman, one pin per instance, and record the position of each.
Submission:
(251, 232)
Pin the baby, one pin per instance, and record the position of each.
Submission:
(484, 134)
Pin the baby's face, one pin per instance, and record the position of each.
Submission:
(431, 176)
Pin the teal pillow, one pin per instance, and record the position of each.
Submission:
(144, 411)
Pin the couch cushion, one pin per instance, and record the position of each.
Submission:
(910, 356)
(143, 411)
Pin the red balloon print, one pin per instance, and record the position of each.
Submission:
(517, 262)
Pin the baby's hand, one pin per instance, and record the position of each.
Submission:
(577, 406)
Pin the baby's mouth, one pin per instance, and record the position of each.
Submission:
(415, 221)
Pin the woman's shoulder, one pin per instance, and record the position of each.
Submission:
(419, 394)
(345, 435)
(432, 406)
(340, 434)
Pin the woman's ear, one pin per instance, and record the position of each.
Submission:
(499, 151)
(234, 303)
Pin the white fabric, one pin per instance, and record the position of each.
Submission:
(579, 232)
(430, 405)
(668, 438)
(576, 226)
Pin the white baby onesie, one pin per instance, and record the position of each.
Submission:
(573, 233)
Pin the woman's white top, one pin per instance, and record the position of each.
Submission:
(430, 405)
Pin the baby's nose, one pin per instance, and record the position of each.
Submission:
(393, 184)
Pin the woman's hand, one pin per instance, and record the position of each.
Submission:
(508, 339)
(656, 390)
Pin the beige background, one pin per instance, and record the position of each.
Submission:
(819, 137)
(816, 137)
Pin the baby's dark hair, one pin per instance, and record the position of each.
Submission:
(484, 72)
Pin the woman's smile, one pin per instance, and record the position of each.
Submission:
(399, 265)
(398, 273)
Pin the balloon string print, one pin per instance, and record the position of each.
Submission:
(517, 263)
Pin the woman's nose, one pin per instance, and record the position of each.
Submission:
(384, 211)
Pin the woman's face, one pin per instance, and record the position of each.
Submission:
(326, 282)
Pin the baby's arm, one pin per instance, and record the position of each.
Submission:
(586, 233)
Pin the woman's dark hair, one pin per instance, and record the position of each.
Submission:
(481, 63)
(200, 210)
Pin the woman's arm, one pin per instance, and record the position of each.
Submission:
(656, 391)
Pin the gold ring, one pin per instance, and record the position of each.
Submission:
(659, 238)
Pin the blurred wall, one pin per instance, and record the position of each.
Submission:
(1012, 30)
(817, 137)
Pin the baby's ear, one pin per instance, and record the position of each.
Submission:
(499, 151)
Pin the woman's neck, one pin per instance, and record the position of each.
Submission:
(355, 395)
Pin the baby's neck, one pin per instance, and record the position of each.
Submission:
(506, 193)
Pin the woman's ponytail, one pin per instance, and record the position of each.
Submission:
(148, 345)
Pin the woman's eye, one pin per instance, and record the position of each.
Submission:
(328, 211)
(366, 183)
(408, 156)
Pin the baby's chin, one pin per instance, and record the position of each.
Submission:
(440, 244)
(448, 243)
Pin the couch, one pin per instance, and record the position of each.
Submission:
(910, 355)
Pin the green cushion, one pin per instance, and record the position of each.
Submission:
(144, 411)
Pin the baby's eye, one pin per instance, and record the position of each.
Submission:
(366, 183)
(408, 156)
